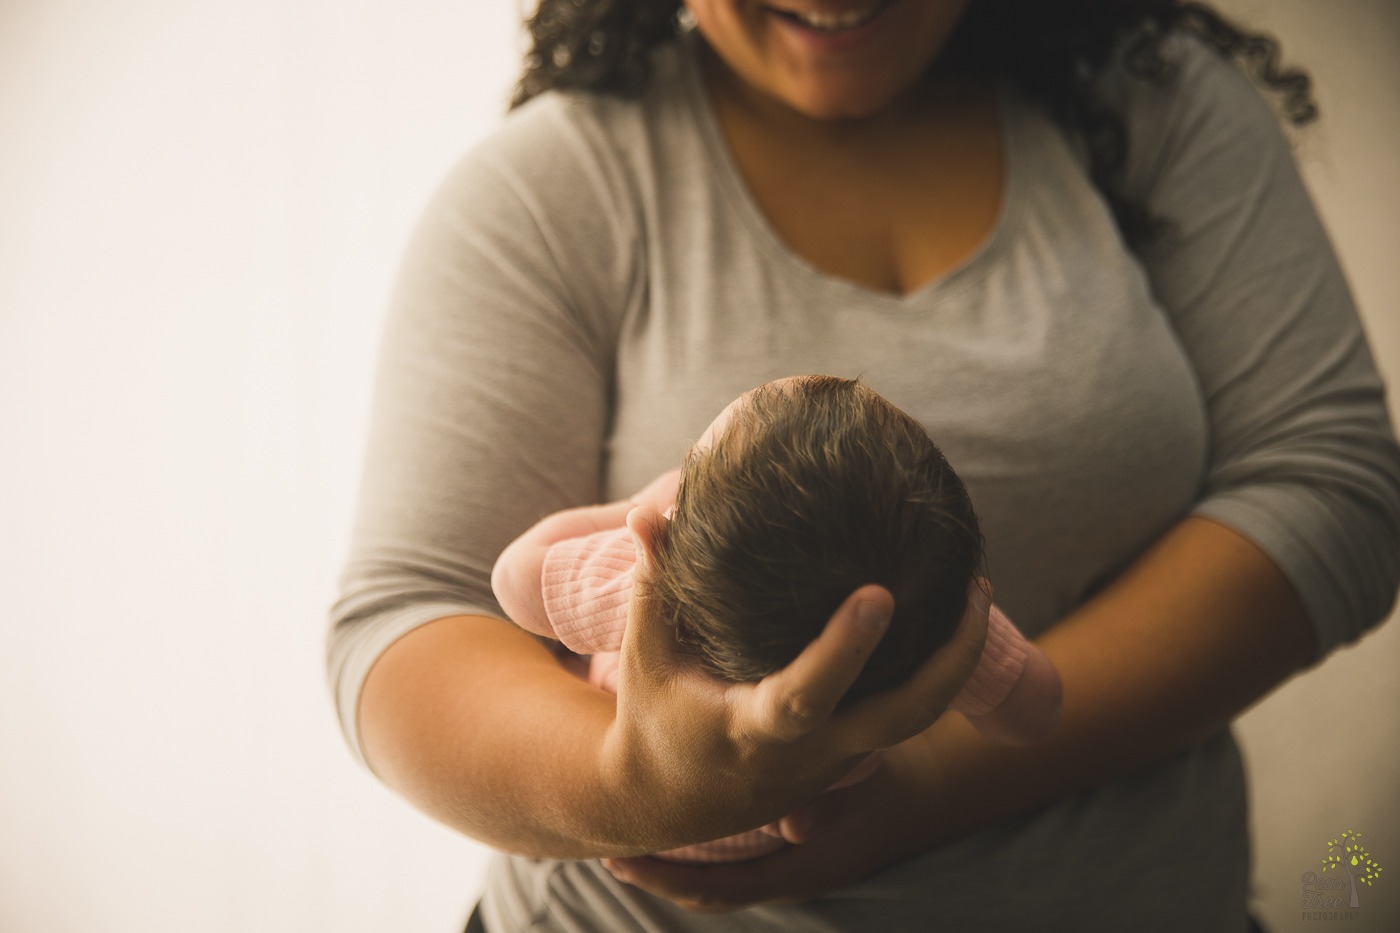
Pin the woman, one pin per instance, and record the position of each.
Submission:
(1068, 237)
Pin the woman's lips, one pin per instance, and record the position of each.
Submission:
(832, 30)
(831, 21)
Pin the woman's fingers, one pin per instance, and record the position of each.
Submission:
(800, 698)
(890, 717)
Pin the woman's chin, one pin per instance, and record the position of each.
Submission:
(839, 107)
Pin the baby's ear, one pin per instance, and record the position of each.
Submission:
(647, 525)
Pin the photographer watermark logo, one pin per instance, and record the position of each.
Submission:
(1334, 893)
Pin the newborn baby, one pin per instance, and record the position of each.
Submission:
(799, 492)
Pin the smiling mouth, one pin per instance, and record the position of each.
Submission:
(835, 22)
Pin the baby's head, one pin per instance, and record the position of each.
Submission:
(802, 491)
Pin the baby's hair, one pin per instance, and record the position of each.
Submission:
(814, 488)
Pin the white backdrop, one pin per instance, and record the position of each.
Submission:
(201, 208)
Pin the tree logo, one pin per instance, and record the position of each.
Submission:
(1345, 855)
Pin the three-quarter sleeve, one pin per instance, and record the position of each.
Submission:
(492, 389)
(1302, 456)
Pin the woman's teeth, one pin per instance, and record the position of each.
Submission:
(835, 22)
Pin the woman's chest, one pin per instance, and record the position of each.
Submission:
(888, 211)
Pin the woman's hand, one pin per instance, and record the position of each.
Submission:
(846, 835)
(725, 758)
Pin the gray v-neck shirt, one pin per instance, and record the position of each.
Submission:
(594, 282)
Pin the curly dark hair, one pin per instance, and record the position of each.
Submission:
(1053, 51)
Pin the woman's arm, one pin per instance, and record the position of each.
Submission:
(1196, 631)
(474, 722)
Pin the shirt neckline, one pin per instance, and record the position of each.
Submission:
(972, 266)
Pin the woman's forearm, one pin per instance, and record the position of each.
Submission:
(475, 723)
(1194, 632)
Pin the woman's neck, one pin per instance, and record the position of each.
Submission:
(913, 110)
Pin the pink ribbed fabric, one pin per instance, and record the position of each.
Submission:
(587, 583)
(1003, 658)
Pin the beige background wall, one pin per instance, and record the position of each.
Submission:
(200, 209)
